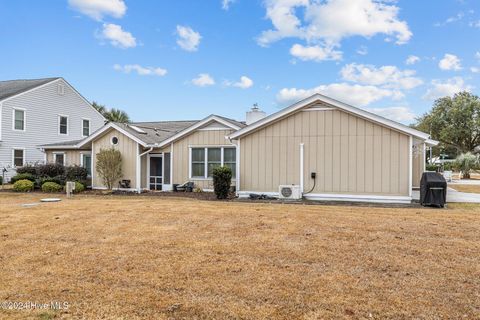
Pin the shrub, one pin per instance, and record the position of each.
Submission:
(79, 187)
(58, 180)
(51, 187)
(22, 176)
(23, 186)
(76, 173)
(30, 169)
(466, 162)
(431, 167)
(50, 170)
(222, 178)
(109, 166)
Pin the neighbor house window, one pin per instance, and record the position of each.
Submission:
(18, 157)
(59, 158)
(204, 160)
(85, 127)
(86, 162)
(198, 162)
(19, 119)
(63, 124)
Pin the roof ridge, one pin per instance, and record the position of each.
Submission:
(37, 79)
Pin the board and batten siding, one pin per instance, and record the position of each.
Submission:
(42, 107)
(200, 138)
(350, 155)
(72, 157)
(128, 149)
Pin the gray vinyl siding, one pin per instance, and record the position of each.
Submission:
(43, 105)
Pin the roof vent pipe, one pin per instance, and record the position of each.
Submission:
(255, 114)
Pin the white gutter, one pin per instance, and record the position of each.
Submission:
(301, 166)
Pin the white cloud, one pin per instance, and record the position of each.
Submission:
(475, 24)
(459, 16)
(244, 83)
(412, 60)
(97, 9)
(226, 4)
(475, 70)
(188, 39)
(449, 87)
(203, 80)
(356, 95)
(477, 55)
(450, 62)
(315, 53)
(328, 22)
(385, 76)
(142, 71)
(362, 51)
(117, 36)
(400, 114)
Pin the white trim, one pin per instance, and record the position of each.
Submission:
(340, 105)
(1, 112)
(197, 126)
(424, 157)
(431, 142)
(301, 166)
(93, 163)
(338, 197)
(24, 119)
(55, 154)
(171, 165)
(105, 128)
(89, 127)
(319, 109)
(190, 163)
(222, 162)
(138, 173)
(86, 153)
(213, 129)
(410, 165)
(154, 155)
(111, 140)
(59, 117)
(24, 160)
(237, 174)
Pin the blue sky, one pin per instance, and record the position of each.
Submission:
(165, 60)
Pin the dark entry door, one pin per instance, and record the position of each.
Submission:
(156, 177)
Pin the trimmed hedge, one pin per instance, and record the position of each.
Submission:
(31, 169)
(76, 173)
(51, 187)
(23, 176)
(79, 187)
(50, 170)
(222, 178)
(23, 186)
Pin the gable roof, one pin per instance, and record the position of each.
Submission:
(11, 88)
(149, 134)
(319, 98)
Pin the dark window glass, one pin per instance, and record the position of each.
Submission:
(18, 158)
(214, 159)
(198, 162)
(19, 120)
(63, 125)
(86, 128)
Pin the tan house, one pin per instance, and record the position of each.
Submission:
(325, 149)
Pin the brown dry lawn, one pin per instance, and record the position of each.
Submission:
(115, 257)
(471, 188)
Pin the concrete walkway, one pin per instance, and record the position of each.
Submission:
(454, 196)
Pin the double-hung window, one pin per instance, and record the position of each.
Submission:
(85, 127)
(59, 158)
(18, 157)
(62, 124)
(19, 119)
(204, 160)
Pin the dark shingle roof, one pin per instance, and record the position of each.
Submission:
(63, 143)
(156, 132)
(13, 87)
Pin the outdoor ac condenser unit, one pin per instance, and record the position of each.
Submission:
(290, 192)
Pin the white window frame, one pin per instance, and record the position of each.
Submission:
(13, 157)
(205, 177)
(55, 154)
(81, 127)
(91, 161)
(114, 144)
(61, 89)
(24, 119)
(60, 116)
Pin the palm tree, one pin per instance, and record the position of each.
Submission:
(117, 115)
(112, 115)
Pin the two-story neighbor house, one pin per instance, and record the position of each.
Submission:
(37, 112)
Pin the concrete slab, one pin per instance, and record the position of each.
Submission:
(454, 196)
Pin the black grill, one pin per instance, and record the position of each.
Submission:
(433, 190)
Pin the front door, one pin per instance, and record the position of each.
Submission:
(156, 176)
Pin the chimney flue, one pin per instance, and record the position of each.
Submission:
(255, 114)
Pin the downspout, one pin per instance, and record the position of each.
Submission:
(301, 167)
(138, 169)
(236, 143)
